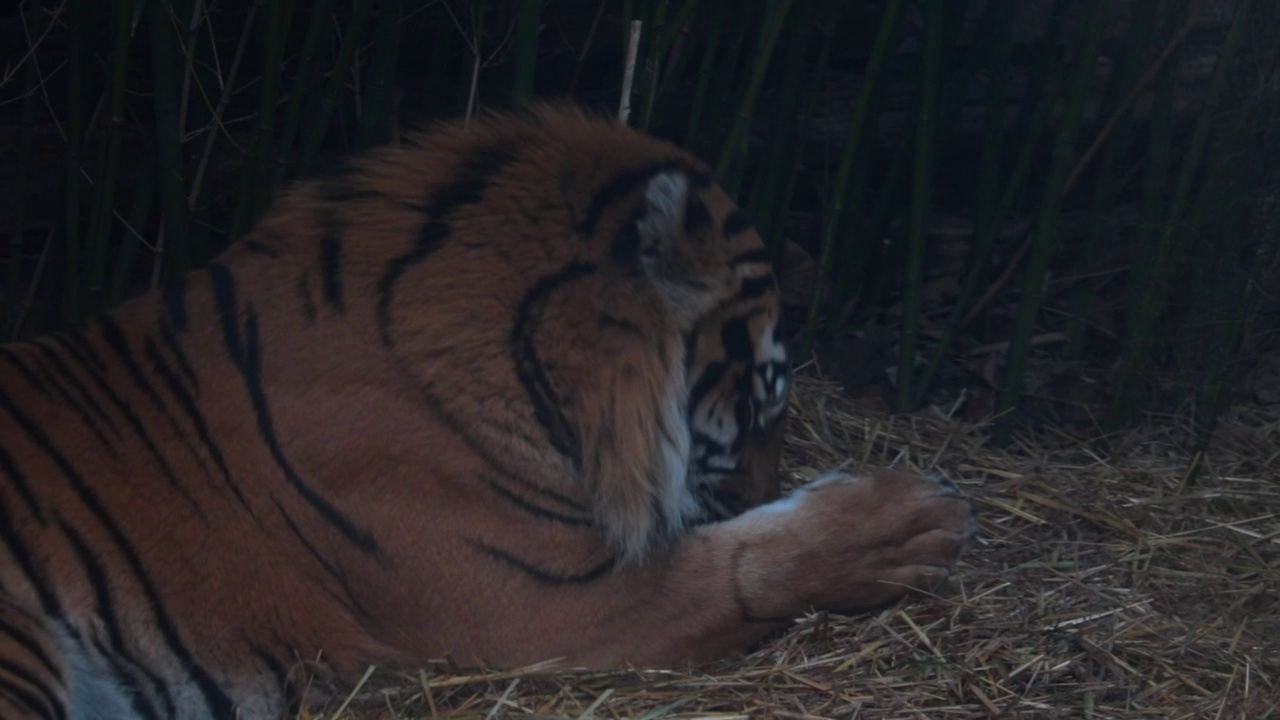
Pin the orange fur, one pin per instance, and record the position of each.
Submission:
(480, 395)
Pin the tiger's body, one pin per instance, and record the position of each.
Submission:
(481, 395)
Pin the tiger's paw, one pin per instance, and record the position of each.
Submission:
(848, 543)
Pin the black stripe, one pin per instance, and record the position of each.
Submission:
(755, 287)
(735, 223)
(258, 248)
(349, 602)
(466, 186)
(245, 356)
(80, 347)
(331, 261)
(170, 341)
(609, 322)
(752, 257)
(622, 185)
(544, 576)
(706, 382)
(29, 643)
(486, 453)
(114, 337)
(624, 250)
(536, 510)
(529, 368)
(30, 377)
(175, 302)
(735, 337)
(43, 696)
(105, 614)
(696, 216)
(10, 469)
(21, 554)
(277, 670)
(55, 364)
(217, 701)
(188, 405)
(308, 305)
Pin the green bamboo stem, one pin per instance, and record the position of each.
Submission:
(883, 45)
(804, 113)
(105, 200)
(709, 51)
(651, 59)
(175, 255)
(135, 225)
(71, 302)
(258, 171)
(672, 47)
(733, 152)
(768, 184)
(1170, 247)
(1225, 247)
(987, 202)
(1030, 128)
(379, 98)
(215, 124)
(867, 270)
(524, 60)
(306, 85)
(316, 127)
(1109, 181)
(17, 237)
(1046, 223)
(921, 200)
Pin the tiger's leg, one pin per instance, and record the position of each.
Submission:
(839, 543)
(32, 673)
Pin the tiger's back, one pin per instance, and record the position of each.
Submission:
(473, 396)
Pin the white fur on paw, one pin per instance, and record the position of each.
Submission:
(791, 500)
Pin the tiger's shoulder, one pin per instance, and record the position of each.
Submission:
(582, 272)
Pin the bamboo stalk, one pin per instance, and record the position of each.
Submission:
(524, 58)
(1108, 182)
(733, 152)
(105, 198)
(921, 200)
(709, 51)
(764, 202)
(882, 46)
(1170, 247)
(17, 236)
(175, 253)
(813, 88)
(1063, 157)
(134, 226)
(352, 39)
(656, 21)
(71, 301)
(306, 85)
(379, 105)
(987, 200)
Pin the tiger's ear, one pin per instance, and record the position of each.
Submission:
(660, 225)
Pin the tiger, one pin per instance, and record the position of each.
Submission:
(511, 390)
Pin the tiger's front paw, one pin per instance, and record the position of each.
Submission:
(846, 542)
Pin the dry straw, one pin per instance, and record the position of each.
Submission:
(1103, 585)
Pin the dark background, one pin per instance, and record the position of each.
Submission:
(1053, 211)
